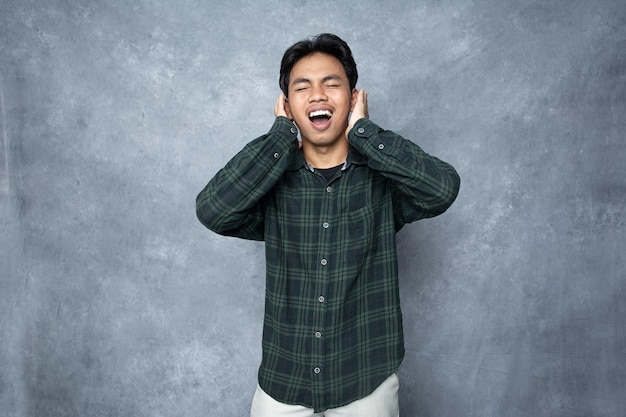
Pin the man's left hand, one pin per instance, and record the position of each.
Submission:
(360, 110)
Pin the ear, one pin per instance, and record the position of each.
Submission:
(287, 108)
(353, 98)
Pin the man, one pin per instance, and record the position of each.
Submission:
(328, 210)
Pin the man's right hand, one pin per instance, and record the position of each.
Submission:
(279, 110)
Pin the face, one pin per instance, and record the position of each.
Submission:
(320, 99)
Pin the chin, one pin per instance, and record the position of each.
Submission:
(323, 138)
(322, 141)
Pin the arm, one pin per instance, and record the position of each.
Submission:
(230, 204)
(423, 185)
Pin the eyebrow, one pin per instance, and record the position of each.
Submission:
(331, 77)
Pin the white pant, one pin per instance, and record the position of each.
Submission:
(383, 402)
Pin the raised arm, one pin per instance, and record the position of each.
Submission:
(424, 186)
(231, 203)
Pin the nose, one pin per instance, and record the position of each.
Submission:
(317, 93)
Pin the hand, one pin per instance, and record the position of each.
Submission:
(360, 110)
(279, 108)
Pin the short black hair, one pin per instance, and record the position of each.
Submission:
(326, 43)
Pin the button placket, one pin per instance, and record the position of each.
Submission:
(323, 274)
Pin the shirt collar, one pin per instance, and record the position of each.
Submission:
(297, 160)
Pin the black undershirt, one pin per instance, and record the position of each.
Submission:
(329, 173)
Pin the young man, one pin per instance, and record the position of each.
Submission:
(328, 211)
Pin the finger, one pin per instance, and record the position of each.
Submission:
(279, 108)
(364, 102)
(276, 106)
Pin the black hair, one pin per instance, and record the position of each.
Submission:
(326, 43)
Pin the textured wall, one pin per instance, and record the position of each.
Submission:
(115, 301)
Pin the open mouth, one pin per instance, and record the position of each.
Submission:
(320, 118)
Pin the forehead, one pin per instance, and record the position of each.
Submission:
(317, 65)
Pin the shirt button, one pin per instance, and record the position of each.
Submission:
(324, 262)
(318, 334)
(325, 225)
(361, 130)
(321, 299)
(293, 130)
(276, 155)
(317, 370)
(329, 189)
(381, 146)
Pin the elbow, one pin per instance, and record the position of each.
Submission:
(449, 191)
(454, 185)
(207, 220)
(446, 194)
(208, 216)
(218, 219)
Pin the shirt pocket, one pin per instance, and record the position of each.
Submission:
(361, 232)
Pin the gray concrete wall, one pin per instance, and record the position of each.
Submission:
(115, 301)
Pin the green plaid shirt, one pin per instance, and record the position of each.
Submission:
(333, 327)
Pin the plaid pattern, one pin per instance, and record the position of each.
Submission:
(333, 327)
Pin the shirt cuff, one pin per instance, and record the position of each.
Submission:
(287, 131)
(375, 143)
(364, 128)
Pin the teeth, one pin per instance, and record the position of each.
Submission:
(319, 113)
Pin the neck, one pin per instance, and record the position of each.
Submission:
(325, 156)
